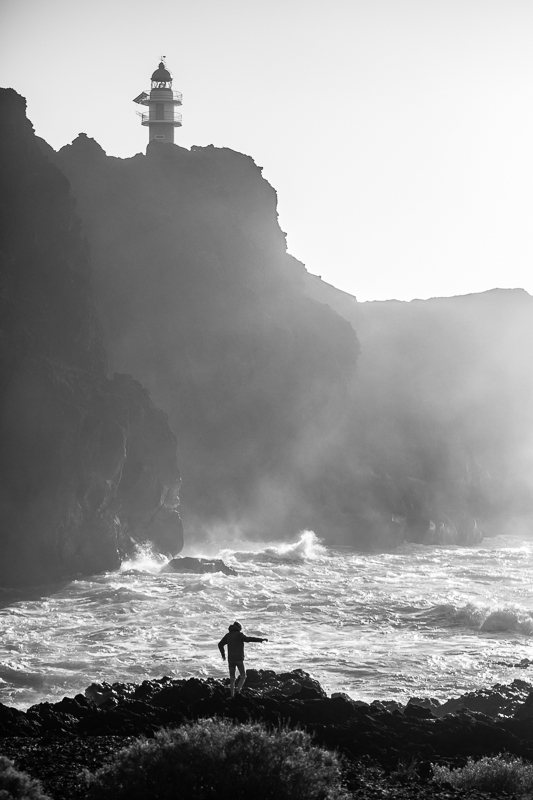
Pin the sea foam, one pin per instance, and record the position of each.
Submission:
(307, 547)
(418, 620)
(477, 617)
(145, 559)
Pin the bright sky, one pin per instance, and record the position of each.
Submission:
(397, 133)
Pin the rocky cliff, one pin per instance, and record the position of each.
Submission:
(281, 424)
(294, 406)
(444, 409)
(87, 464)
(199, 300)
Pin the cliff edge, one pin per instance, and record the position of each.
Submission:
(87, 465)
(199, 299)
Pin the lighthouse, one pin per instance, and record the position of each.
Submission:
(162, 102)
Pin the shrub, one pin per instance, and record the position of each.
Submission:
(492, 774)
(15, 785)
(219, 759)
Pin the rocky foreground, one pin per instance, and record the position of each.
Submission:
(55, 742)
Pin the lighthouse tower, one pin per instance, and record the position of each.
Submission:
(162, 102)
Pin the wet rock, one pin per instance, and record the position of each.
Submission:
(421, 712)
(324, 711)
(187, 564)
(384, 731)
(101, 694)
(51, 720)
(185, 692)
(387, 705)
(148, 689)
(501, 699)
(297, 684)
(525, 711)
(77, 706)
(424, 702)
(524, 663)
(16, 723)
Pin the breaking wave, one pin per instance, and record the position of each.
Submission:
(145, 559)
(307, 547)
(486, 620)
(430, 621)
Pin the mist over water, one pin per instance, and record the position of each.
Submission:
(417, 621)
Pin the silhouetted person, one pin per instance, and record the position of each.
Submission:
(235, 640)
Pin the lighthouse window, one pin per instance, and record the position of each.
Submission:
(159, 107)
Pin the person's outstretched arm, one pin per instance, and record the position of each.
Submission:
(221, 644)
(254, 639)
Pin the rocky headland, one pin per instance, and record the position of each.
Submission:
(295, 406)
(291, 405)
(56, 741)
(255, 377)
(443, 409)
(88, 465)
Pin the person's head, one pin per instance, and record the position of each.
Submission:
(235, 626)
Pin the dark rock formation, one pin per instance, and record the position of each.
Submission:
(355, 728)
(281, 424)
(505, 700)
(87, 464)
(255, 377)
(198, 565)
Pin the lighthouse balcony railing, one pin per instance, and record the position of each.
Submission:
(169, 94)
(168, 118)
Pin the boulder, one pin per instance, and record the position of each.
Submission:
(188, 564)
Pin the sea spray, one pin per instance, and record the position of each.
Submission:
(307, 547)
(482, 617)
(144, 559)
(419, 620)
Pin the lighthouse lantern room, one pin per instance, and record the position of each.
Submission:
(162, 102)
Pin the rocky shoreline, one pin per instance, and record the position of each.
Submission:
(55, 742)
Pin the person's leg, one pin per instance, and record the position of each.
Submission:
(232, 678)
(242, 675)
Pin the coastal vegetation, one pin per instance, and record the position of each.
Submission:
(218, 759)
(17, 785)
(145, 740)
(497, 775)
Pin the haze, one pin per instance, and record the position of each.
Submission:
(397, 133)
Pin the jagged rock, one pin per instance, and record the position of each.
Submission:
(249, 369)
(430, 703)
(188, 564)
(101, 694)
(296, 684)
(500, 700)
(386, 732)
(16, 723)
(525, 711)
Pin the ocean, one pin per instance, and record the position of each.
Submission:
(418, 621)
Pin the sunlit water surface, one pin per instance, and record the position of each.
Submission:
(419, 621)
